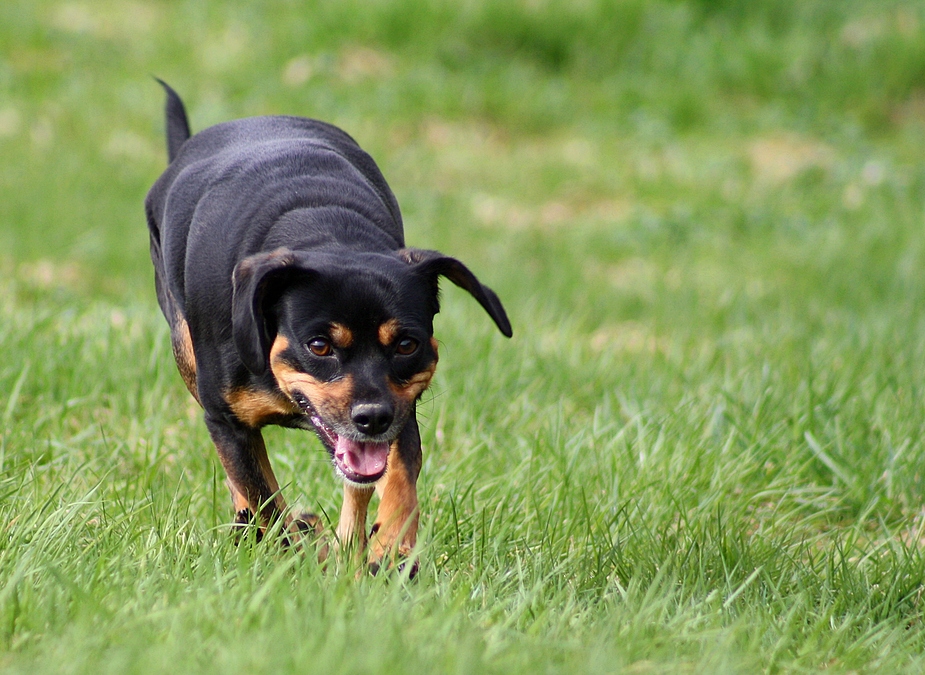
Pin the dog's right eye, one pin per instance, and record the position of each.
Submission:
(320, 347)
(406, 347)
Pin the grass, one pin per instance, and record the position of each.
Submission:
(701, 452)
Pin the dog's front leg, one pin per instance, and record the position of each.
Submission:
(254, 489)
(351, 528)
(395, 530)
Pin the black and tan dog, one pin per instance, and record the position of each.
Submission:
(280, 264)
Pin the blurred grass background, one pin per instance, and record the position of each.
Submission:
(700, 453)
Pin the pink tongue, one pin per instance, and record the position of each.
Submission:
(363, 459)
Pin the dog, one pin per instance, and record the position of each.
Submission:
(281, 267)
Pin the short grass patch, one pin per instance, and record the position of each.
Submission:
(702, 450)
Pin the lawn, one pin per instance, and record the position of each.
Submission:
(701, 451)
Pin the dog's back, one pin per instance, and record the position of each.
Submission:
(255, 184)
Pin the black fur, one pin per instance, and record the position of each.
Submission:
(177, 124)
(272, 226)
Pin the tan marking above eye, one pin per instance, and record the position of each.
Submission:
(341, 336)
(388, 331)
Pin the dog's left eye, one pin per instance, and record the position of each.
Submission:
(320, 347)
(406, 346)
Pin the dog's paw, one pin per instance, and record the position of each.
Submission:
(306, 523)
(244, 522)
(399, 564)
(306, 529)
(383, 557)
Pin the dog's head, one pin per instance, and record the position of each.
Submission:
(349, 339)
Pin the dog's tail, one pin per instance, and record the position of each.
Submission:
(177, 124)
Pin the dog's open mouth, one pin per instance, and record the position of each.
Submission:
(357, 461)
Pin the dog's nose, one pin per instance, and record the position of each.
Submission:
(372, 419)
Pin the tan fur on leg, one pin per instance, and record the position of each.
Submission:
(396, 526)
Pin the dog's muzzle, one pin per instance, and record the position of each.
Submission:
(361, 462)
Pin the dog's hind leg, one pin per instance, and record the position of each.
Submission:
(183, 352)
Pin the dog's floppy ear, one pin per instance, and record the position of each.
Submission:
(255, 280)
(433, 264)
